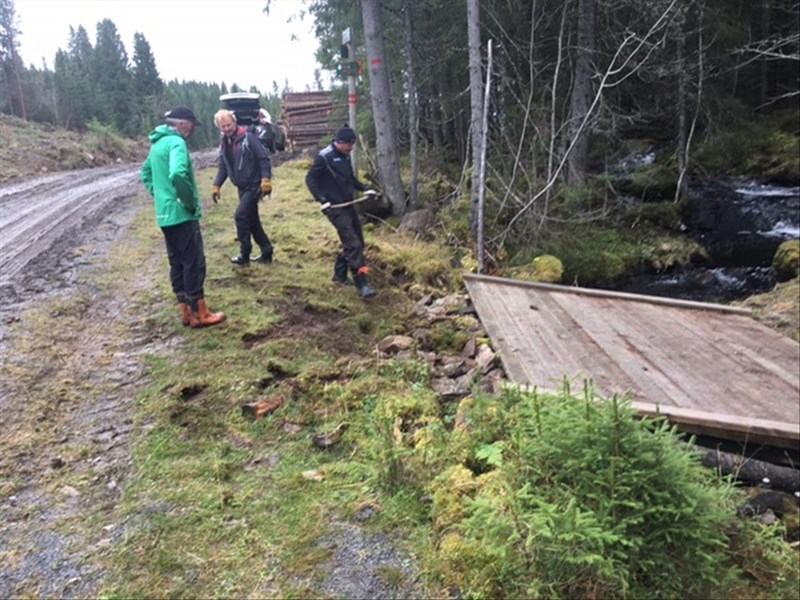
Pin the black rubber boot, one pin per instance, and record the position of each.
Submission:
(241, 260)
(363, 289)
(340, 273)
(265, 257)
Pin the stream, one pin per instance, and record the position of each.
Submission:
(740, 224)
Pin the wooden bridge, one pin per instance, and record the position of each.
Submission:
(708, 368)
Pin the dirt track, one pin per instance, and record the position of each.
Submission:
(43, 219)
(71, 368)
(68, 376)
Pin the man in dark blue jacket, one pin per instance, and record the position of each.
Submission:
(332, 183)
(244, 160)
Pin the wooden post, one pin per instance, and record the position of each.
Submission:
(482, 172)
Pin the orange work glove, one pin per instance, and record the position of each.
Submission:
(215, 193)
(266, 186)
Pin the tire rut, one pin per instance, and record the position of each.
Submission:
(71, 367)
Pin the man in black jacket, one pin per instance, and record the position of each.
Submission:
(244, 160)
(332, 183)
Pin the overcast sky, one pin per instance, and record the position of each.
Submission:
(213, 41)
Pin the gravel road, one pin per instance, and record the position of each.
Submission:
(44, 219)
(66, 394)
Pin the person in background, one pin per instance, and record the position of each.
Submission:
(331, 181)
(168, 175)
(264, 130)
(244, 160)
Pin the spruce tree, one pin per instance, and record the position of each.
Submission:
(12, 98)
(148, 86)
(112, 80)
(73, 83)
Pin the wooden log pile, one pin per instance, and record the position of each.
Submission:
(307, 119)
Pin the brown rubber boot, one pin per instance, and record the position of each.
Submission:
(203, 317)
(186, 313)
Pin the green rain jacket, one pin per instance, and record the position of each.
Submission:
(169, 177)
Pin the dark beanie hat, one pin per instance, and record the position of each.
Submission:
(182, 113)
(345, 134)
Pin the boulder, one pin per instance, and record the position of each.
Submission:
(484, 358)
(786, 262)
(416, 222)
(395, 343)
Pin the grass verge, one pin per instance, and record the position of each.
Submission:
(221, 505)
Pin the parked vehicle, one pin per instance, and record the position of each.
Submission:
(245, 105)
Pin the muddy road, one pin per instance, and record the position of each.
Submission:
(44, 219)
(70, 368)
(73, 351)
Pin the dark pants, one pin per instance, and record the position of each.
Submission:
(249, 223)
(187, 261)
(349, 229)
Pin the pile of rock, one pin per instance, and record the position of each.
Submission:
(453, 376)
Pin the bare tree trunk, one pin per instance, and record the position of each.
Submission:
(436, 120)
(476, 104)
(411, 95)
(551, 153)
(680, 64)
(764, 66)
(682, 187)
(482, 163)
(751, 470)
(580, 98)
(23, 112)
(388, 162)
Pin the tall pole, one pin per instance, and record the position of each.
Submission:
(482, 165)
(347, 42)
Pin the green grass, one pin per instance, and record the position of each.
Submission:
(218, 504)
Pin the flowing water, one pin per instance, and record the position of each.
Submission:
(740, 224)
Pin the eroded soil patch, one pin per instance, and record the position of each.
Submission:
(304, 321)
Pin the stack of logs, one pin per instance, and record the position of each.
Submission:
(306, 117)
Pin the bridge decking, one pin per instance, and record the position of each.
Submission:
(708, 368)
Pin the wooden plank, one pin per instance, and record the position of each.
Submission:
(727, 378)
(744, 429)
(506, 341)
(593, 317)
(744, 336)
(708, 368)
(607, 294)
(550, 356)
(581, 357)
(681, 353)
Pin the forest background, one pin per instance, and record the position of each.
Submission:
(598, 113)
(567, 110)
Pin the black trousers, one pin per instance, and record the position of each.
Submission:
(187, 261)
(348, 227)
(248, 223)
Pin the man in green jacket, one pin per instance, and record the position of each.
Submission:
(168, 176)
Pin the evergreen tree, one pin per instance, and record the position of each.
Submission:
(12, 98)
(73, 81)
(148, 85)
(112, 81)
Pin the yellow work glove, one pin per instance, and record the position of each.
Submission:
(266, 186)
(215, 193)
